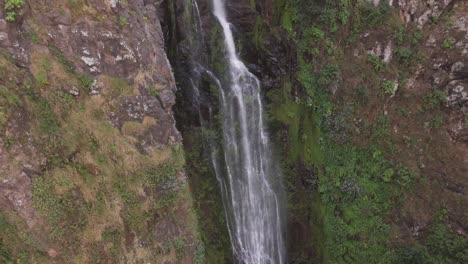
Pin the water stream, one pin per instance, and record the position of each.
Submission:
(250, 179)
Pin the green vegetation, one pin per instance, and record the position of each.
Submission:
(94, 190)
(213, 232)
(448, 43)
(64, 212)
(34, 37)
(123, 21)
(8, 237)
(62, 59)
(406, 51)
(388, 87)
(442, 245)
(11, 98)
(44, 68)
(340, 143)
(85, 81)
(153, 92)
(358, 188)
(435, 99)
(376, 62)
(11, 8)
(465, 119)
(179, 245)
(437, 121)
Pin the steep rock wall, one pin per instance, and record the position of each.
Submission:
(90, 164)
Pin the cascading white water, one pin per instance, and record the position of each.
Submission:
(250, 180)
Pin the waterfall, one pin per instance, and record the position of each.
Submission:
(250, 181)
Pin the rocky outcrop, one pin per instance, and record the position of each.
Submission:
(109, 57)
(421, 12)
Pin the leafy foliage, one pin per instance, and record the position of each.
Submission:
(388, 87)
(359, 187)
(435, 99)
(11, 6)
(377, 63)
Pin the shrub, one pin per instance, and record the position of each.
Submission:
(434, 99)
(437, 121)
(85, 81)
(180, 247)
(11, 6)
(399, 35)
(405, 55)
(328, 74)
(377, 62)
(373, 16)
(34, 37)
(448, 43)
(123, 21)
(314, 33)
(389, 87)
(388, 175)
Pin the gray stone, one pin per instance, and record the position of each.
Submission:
(457, 95)
(439, 79)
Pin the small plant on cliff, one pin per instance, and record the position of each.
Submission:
(180, 247)
(377, 63)
(448, 43)
(11, 6)
(389, 87)
(123, 21)
(435, 99)
(314, 34)
(153, 92)
(34, 37)
(388, 175)
(437, 121)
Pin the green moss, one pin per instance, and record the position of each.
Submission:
(259, 31)
(303, 133)
(10, 97)
(64, 212)
(217, 52)
(12, 249)
(207, 199)
(287, 20)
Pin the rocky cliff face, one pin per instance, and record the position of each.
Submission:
(90, 162)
